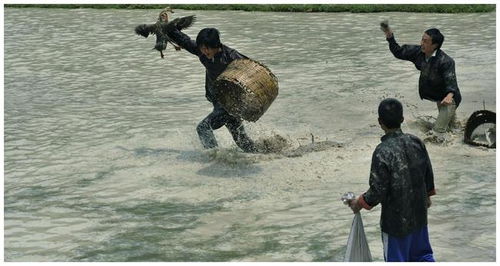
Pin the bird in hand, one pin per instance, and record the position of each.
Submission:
(161, 27)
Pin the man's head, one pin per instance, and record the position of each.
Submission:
(432, 39)
(390, 114)
(208, 41)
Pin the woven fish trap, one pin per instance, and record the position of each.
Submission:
(246, 89)
(477, 119)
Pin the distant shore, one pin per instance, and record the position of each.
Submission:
(353, 8)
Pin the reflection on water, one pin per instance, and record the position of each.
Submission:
(102, 162)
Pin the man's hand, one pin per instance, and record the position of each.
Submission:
(448, 99)
(354, 204)
(429, 202)
(384, 26)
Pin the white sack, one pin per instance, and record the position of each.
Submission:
(357, 246)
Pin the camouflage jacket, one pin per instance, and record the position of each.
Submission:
(214, 67)
(401, 179)
(437, 76)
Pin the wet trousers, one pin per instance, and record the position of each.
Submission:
(446, 117)
(215, 120)
(414, 247)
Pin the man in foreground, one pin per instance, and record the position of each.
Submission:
(401, 179)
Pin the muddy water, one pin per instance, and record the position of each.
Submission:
(102, 161)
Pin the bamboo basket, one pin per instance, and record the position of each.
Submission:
(246, 89)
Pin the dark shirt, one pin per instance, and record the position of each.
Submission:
(437, 76)
(401, 179)
(214, 67)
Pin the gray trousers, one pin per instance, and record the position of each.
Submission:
(215, 120)
(446, 117)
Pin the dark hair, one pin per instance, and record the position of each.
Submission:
(390, 113)
(208, 37)
(436, 36)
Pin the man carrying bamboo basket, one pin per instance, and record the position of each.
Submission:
(215, 57)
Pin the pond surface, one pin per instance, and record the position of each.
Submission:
(103, 163)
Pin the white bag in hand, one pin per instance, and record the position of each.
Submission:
(357, 246)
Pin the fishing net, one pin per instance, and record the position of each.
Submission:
(357, 246)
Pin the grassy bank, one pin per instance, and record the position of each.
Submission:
(359, 8)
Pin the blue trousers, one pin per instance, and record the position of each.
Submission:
(414, 247)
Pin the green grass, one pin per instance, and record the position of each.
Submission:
(354, 8)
